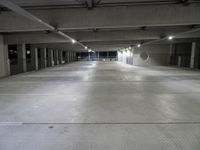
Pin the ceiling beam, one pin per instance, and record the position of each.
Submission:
(127, 35)
(15, 8)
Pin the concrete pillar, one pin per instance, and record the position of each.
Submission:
(4, 61)
(132, 53)
(107, 54)
(7, 61)
(88, 56)
(60, 56)
(56, 62)
(197, 55)
(98, 55)
(179, 61)
(75, 58)
(21, 57)
(72, 56)
(34, 58)
(43, 53)
(194, 58)
(68, 57)
(171, 52)
(50, 58)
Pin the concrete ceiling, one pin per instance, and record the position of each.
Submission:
(101, 24)
(35, 4)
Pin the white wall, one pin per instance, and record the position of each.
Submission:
(125, 56)
(157, 55)
(4, 67)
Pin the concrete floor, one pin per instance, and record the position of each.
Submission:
(101, 105)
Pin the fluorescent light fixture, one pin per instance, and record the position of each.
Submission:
(28, 52)
(86, 47)
(89, 50)
(170, 37)
(73, 41)
(139, 45)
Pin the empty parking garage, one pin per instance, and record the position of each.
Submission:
(99, 74)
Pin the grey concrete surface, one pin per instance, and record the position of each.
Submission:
(101, 105)
(120, 17)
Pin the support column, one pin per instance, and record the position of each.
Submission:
(43, 54)
(56, 62)
(179, 61)
(34, 58)
(192, 57)
(68, 57)
(98, 55)
(107, 54)
(75, 59)
(171, 52)
(60, 56)
(21, 57)
(73, 56)
(88, 56)
(50, 58)
(4, 61)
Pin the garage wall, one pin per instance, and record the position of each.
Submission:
(183, 51)
(152, 55)
(125, 56)
(146, 55)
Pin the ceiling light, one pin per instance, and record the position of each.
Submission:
(73, 41)
(170, 37)
(89, 50)
(86, 47)
(139, 45)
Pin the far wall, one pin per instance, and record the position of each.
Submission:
(175, 54)
(152, 55)
(146, 55)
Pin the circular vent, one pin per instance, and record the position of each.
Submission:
(144, 56)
